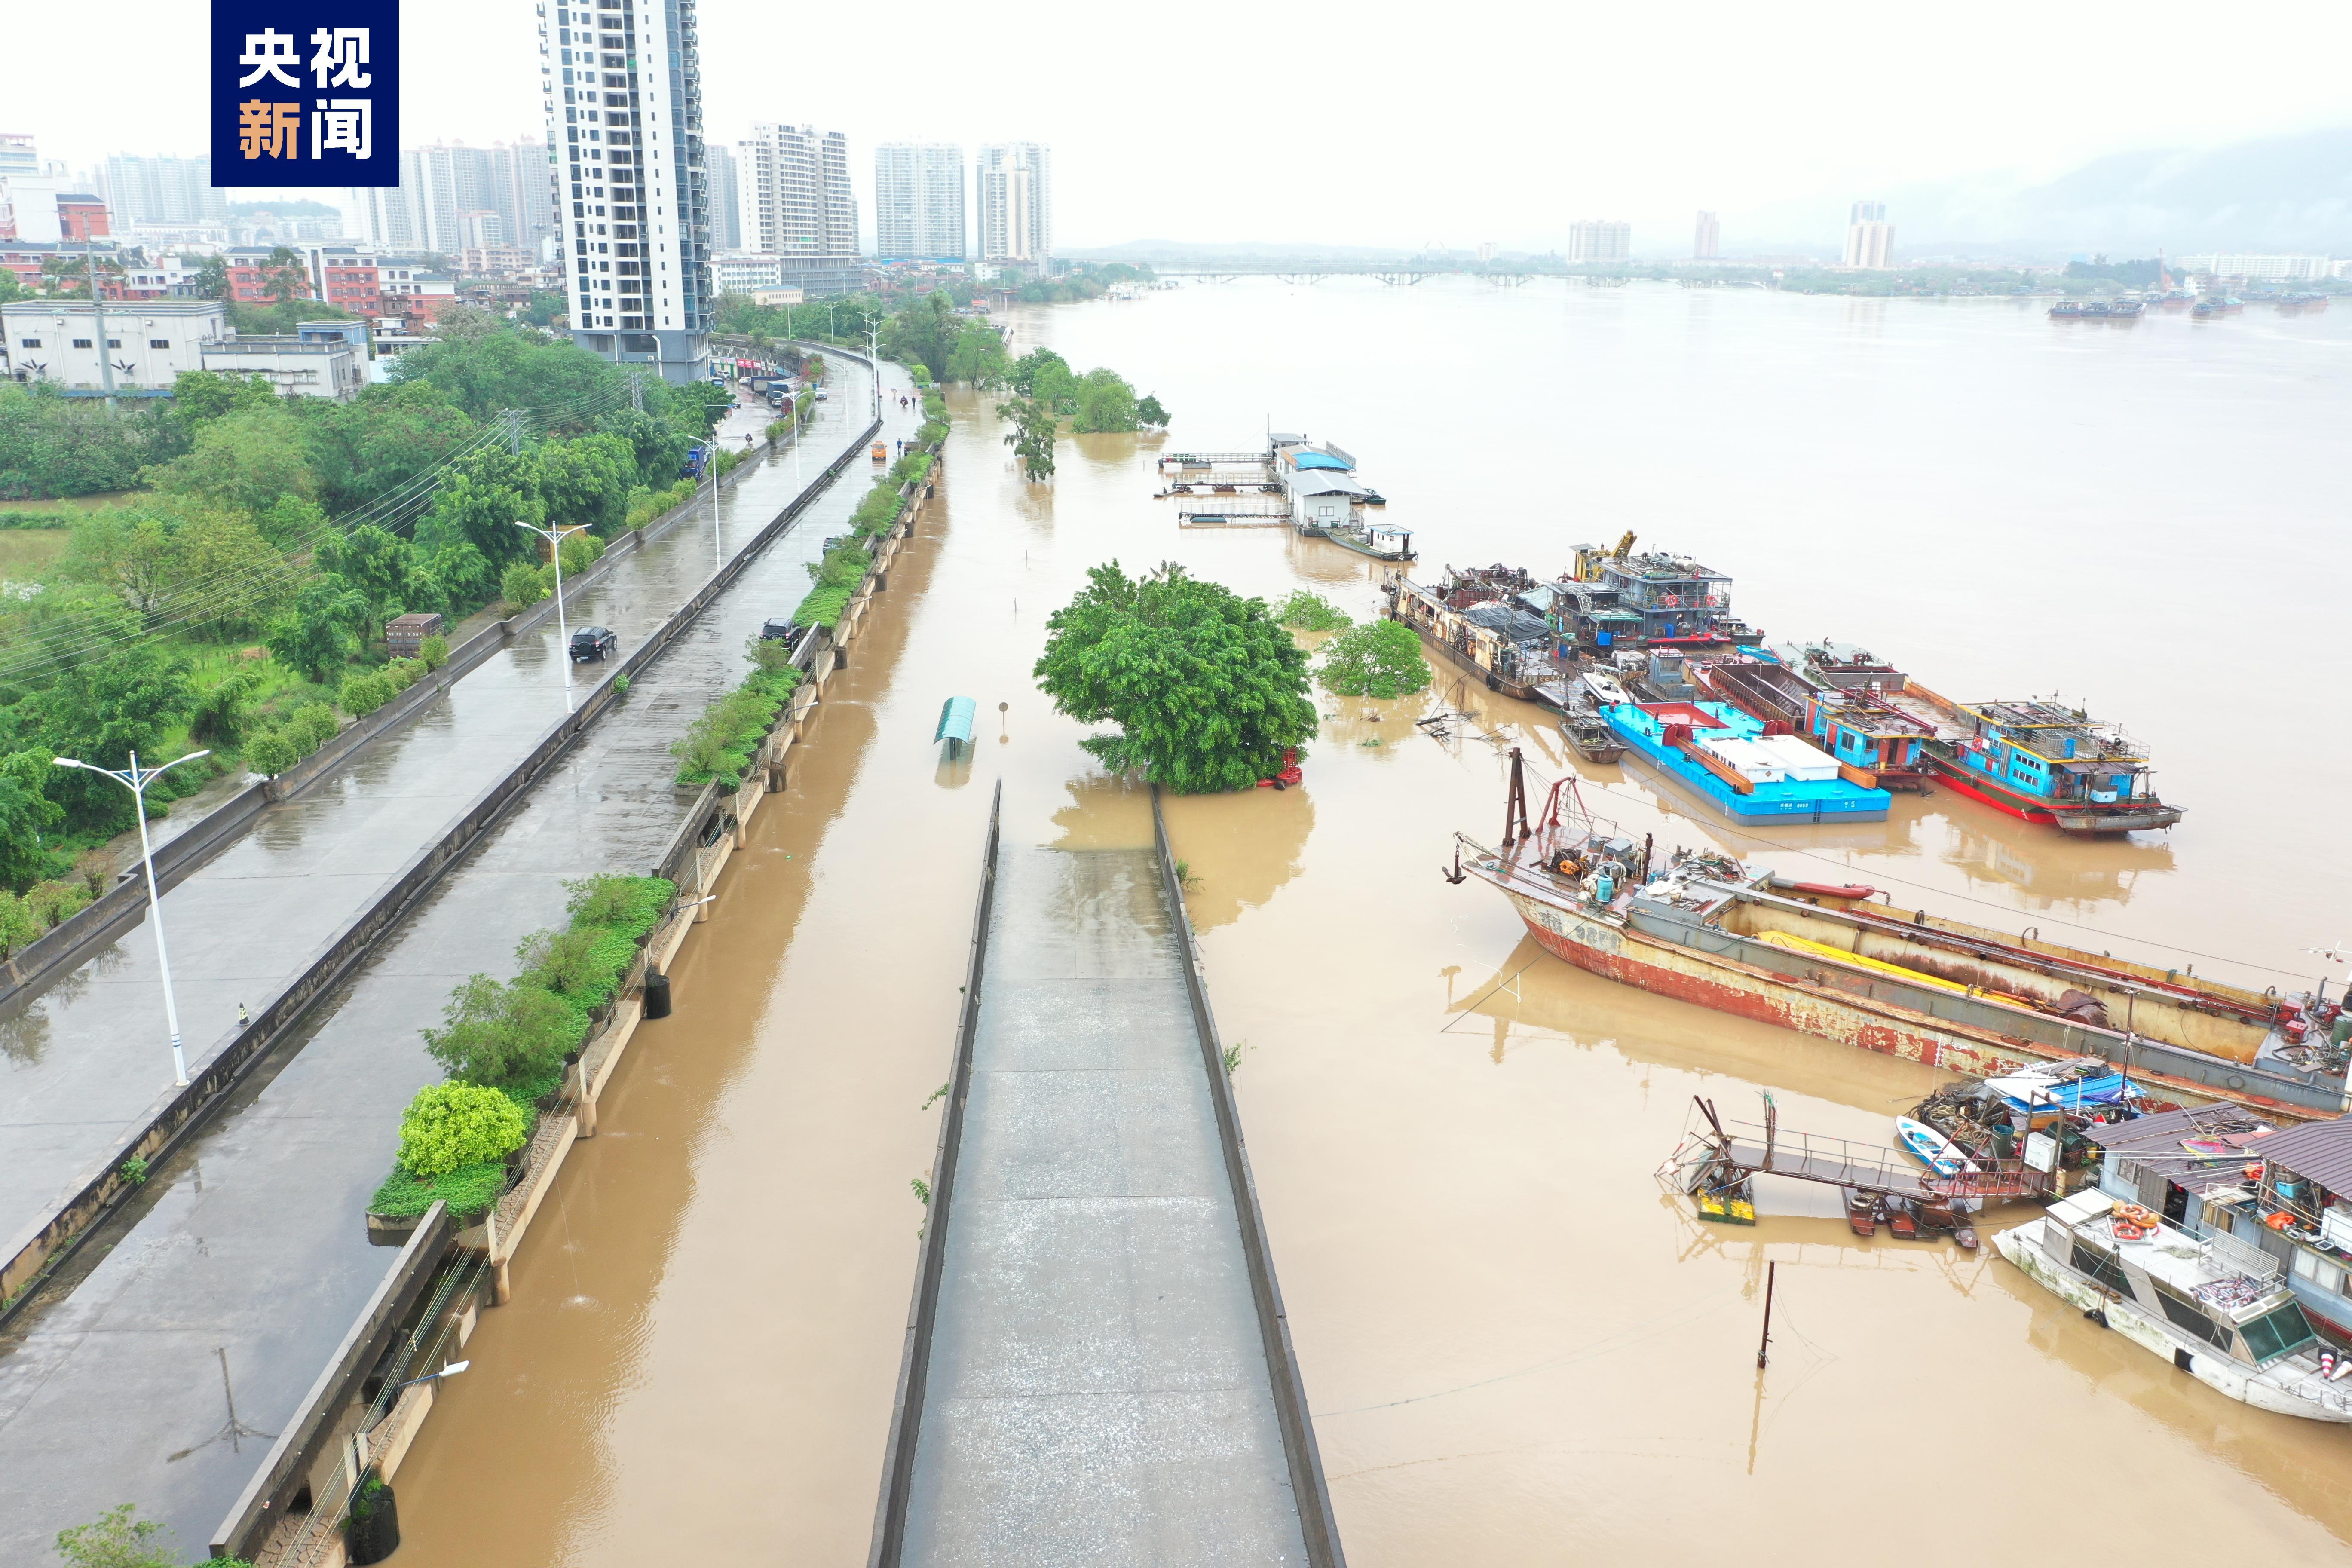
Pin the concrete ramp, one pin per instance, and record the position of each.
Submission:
(1100, 1373)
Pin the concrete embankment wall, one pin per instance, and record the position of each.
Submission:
(316, 1447)
(176, 1114)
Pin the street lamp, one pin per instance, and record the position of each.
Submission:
(555, 537)
(136, 779)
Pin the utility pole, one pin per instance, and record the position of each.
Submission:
(512, 419)
(873, 360)
(97, 312)
(1771, 1277)
(636, 392)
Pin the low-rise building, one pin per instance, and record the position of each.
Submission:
(148, 343)
(306, 363)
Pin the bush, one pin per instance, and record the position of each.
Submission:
(521, 585)
(312, 726)
(116, 1540)
(1308, 612)
(270, 753)
(1379, 658)
(579, 551)
(631, 905)
(405, 673)
(50, 902)
(449, 1125)
(470, 1191)
(720, 744)
(837, 576)
(365, 692)
(495, 1034)
(434, 652)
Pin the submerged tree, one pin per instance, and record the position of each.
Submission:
(1032, 435)
(1379, 658)
(1208, 692)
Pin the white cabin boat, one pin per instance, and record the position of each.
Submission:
(2216, 1307)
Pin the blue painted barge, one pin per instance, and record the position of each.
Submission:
(1740, 766)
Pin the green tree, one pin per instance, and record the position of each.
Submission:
(116, 1540)
(494, 1035)
(1046, 377)
(200, 396)
(485, 495)
(373, 445)
(1032, 435)
(100, 711)
(229, 580)
(1105, 403)
(586, 482)
(212, 278)
(926, 333)
(10, 288)
(978, 357)
(1379, 658)
(1148, 411)
(26, 814)
(380, 567)
(246, 460)
(547, 308)
(1208, 691)
(286, 280)
(658, 445)
(326, 624)
(127, 550)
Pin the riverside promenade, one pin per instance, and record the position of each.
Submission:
(163, 1370)
(85, 1061)
(1089, 1378)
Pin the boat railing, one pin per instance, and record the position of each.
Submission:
(2232, 1255)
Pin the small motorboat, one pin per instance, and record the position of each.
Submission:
(1590, 736)
(1931, 1148)
(1604, 688)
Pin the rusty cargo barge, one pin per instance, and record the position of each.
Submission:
(1710, 930)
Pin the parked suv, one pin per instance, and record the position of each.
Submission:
(594, 642)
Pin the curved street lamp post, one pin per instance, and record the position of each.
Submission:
(136, 779)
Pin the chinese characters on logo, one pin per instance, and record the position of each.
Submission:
(270, 129)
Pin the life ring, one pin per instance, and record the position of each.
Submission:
(2278, 1221)
(2134, 1214)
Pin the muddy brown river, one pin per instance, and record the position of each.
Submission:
(1518, 1347)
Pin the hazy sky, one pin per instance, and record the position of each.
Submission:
(1381, 125)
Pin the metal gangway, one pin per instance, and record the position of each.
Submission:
(1727, 1153)
(1217, 512)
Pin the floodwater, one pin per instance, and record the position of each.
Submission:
(1518, 1349)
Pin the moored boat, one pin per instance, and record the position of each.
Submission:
(1707, 929)
(2215, 1307)
(1590, 736)
(1736, 764)
(2037, 759)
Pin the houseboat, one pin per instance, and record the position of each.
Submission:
(1614, 599)
(2037, 759)
(1479, 618)
(2214, 1307)
(1824, 960)
(1328, 499)
(1881, 747)
(1732, 761)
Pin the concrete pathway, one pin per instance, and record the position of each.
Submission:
(1098, 1390)
(246, 1262)
(84, 1062)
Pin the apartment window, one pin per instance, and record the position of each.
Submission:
(30, 342)
(81, 343)
(114, 342)
(158, 342)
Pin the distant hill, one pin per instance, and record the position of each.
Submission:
(2284, 192)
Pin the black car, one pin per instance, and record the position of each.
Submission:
(789, 633)
(594, 642)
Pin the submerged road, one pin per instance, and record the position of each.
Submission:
(162, 1373)
(85, 1062)
(1098, 1387)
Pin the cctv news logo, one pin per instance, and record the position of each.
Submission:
(306, 94)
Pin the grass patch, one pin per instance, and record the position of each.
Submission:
(27, 553)
(470, 1191)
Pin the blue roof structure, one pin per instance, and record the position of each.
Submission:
(1321, 460)
(955, 720)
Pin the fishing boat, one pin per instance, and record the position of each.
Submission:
(2038, 759)
(1589, 735)
(1931, 1148)
(2217, 1308)
(1705, 928)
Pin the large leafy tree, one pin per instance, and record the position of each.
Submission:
(1208, 691)
(372, 447)
(327, 625)
(658, 445)
(1032, 435)
(926, 332)
(978, 357)
(480, 502)
(1046, 376)
(100, 711)
(380, 567)
(246, 460)
(1105, 403)
(587, 482)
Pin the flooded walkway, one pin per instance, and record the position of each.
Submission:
(1098, 1386)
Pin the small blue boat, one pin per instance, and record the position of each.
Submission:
(1931, 1148)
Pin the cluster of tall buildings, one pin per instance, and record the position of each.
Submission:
(456, 198)
(1600, 239)
(1869, 237)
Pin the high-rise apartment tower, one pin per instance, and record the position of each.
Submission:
(1600, 239)
(918, 201)
(1869, 237)
(1016, 202)
(1708, 244)
(163, 192)
(622, 85)
(726, 201)
(793, 192)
